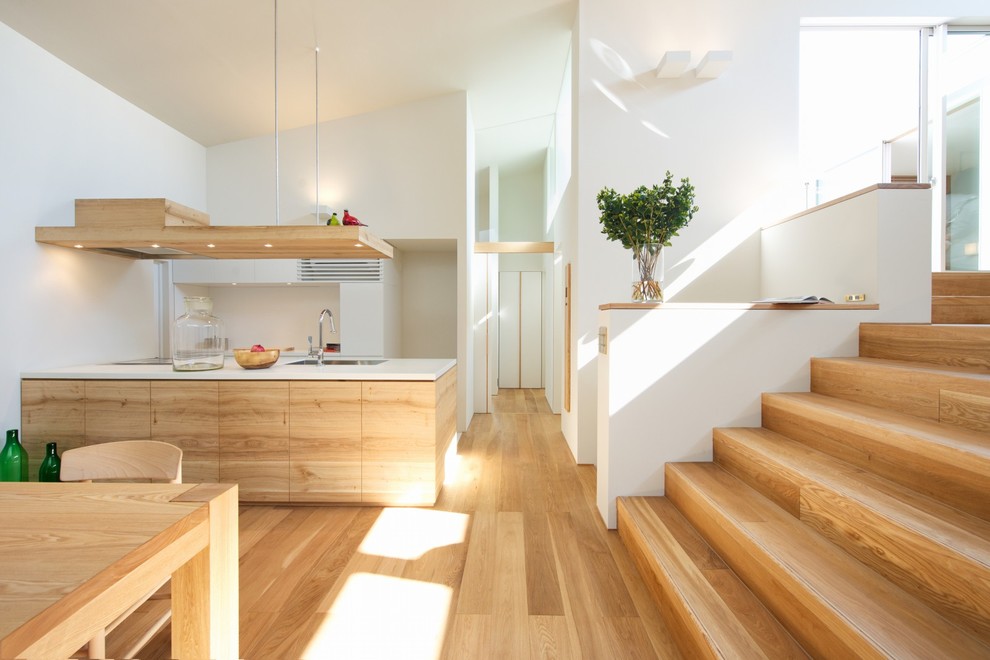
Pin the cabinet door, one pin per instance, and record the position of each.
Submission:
(254, 439)
(398, 433)
(117, 410)
(51, 411)
(186, 414)
(325, 441)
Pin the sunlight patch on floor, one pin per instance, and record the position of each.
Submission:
(453, 463)
(411, 533)
(378, 616)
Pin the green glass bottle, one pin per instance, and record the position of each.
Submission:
(13, 459)
(51, 466)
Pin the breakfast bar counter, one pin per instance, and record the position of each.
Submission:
(374, 434)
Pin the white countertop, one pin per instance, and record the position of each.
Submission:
(398, 369)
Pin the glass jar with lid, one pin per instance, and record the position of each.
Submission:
(197, 337)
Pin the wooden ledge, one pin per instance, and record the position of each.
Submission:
(740, 306)
(514, 247)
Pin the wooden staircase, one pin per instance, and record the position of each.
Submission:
(854, 523)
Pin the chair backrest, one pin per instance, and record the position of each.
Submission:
(125, 460)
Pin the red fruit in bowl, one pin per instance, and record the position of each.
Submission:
(257, 348)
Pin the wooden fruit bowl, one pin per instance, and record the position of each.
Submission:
(256, 359)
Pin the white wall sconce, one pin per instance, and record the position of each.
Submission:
(674, 63)
(714, 64)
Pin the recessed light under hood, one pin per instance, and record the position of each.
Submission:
(161, 229)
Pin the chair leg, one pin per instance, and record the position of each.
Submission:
(97, 647)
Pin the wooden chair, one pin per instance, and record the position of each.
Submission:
(130, 460)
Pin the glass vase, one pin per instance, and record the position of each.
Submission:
(197, 337)
(51, 466)
(13, 459)
(647, 263)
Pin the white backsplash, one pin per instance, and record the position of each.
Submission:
(274, 316)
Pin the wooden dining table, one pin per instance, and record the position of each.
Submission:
(74, 556)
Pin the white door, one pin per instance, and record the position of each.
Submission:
(520, 329)
(531, 329)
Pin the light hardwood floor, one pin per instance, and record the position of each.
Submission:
(512, 562)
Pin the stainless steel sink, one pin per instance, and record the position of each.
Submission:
(346, 363)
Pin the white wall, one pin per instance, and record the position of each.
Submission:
(521, 205)
(274, 316)
(400, 170)
(63, 137)
(828, 253)
(392, 279)
(429, 305)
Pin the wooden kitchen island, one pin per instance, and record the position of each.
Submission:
(362, 434)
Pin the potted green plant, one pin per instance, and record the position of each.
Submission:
(645, 221)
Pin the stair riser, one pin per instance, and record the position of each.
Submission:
(961, 309)
(969, 411)
(822, 634)
(954, 346)
(912, 393)
(760, 474)
(961, 284)
(953, 584)
(951, 478)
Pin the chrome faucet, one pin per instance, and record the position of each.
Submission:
(326, 313)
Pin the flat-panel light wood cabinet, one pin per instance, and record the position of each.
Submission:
(346, 441)
(398, 442)
(254, 438)
(52, 411)
(406, 430)
(117, 410)
(186, 414)
(74, 413)
(325, 441)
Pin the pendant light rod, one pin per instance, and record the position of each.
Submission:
(316, 86)
(276, 115)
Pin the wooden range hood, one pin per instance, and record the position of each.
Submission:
(161, 229)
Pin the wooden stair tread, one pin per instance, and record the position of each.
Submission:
(832, 603)
(717, 615)
(948, 463)
(932, 550)
(951, 345)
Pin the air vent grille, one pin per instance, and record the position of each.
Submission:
(339, 270)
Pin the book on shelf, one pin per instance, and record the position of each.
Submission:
(794, 300)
